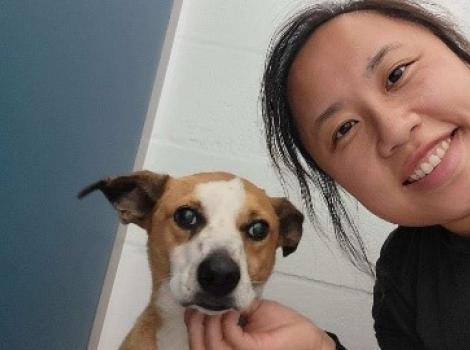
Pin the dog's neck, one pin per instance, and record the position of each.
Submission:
(173, 332)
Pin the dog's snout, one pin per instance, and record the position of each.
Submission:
(218, 274)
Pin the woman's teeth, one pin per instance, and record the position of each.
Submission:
(433, 160)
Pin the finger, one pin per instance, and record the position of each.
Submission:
(213, 333)
(251, 317)
(196, 331)
(187, 315)
(232, 332)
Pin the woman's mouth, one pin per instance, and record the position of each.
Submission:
(427, 165)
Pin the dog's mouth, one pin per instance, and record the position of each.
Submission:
(214, 306)
(209, 304)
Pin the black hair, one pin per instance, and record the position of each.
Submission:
(282, 137)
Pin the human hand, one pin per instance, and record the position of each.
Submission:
(268, 326)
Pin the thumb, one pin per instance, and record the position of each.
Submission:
(233, 332)
(254, 306)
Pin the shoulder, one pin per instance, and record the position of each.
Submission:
(406, 238)
(399, 238)
(396, 268)
(400, 248)
(405, 247)
(397, 273)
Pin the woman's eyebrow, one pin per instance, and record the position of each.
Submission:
(375, 60)
(327, 113)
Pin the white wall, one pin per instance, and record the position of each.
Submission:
(208, 119)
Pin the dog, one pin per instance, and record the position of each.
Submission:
(212, 239)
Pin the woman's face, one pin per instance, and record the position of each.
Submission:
(383, 106)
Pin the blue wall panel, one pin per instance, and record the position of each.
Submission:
(75, 82)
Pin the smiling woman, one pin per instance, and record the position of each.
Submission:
(390, 62)
(410, 84)
(374, 96)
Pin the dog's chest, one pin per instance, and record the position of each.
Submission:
(173, 334)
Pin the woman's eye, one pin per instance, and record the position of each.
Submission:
(395, 76)
(343, 129)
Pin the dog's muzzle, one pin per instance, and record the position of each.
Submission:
(218, 275)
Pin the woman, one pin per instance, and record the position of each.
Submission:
(373, 96)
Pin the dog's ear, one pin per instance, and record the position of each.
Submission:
(290, 224)
(133, 196)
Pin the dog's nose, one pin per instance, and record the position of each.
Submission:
(218, 274)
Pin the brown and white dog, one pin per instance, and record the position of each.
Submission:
(212, 239)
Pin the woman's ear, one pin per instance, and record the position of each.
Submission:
(290, 224)
(133, 196)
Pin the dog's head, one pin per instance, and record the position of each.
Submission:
(213, 236)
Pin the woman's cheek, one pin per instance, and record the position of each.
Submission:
(354, 173)
(443, 95)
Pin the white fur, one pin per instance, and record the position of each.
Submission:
(173, 334)
(221, 203)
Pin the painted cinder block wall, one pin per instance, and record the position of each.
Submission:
(208, 118)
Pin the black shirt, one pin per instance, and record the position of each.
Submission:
(422, 292)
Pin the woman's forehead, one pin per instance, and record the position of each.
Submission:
(357, 36)
(344, 49)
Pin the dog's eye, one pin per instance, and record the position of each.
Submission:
(187, 218)
(258, 230)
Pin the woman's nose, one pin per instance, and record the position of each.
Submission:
(395, 131)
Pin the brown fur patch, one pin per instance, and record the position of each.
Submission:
(260, 254)
(143, 334)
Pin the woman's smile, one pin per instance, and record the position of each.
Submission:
(426, 166)
(433, 168)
